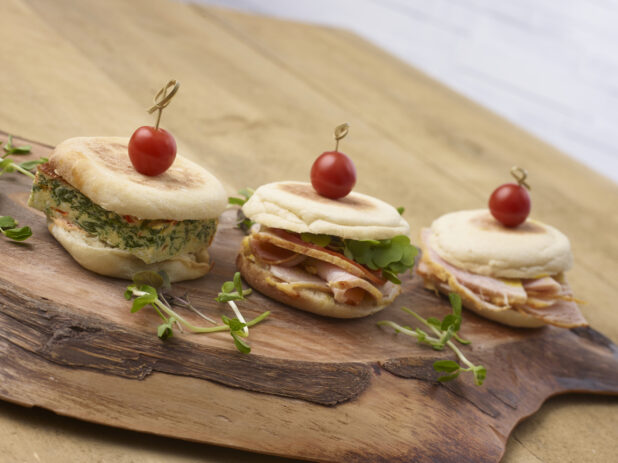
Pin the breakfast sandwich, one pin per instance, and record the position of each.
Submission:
(334, 257)
(512, 275)
(116, 221)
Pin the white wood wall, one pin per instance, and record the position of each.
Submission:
(550, 66)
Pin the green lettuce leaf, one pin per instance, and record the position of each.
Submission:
(393, 256)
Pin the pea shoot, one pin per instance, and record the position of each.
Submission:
(242, 221)
(150, 288)
(8, 225)
(391, 256)
(7, 164)
(445, 331)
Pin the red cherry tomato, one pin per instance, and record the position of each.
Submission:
(333, 174)
(510, 204)
(152, 151)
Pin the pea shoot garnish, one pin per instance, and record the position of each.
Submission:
(391, 256)
(8, 227)
(150, 288)
(242, 221)
(8, 165)
(9, 148)
(445, 331)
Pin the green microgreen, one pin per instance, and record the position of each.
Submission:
(10, 149)
(443, 332)
(7, 222)
(392, 256)
(8, 227)
(30, 165)
(245, 194)
(162, 301)
(237, 330)
(317, 239)
(8, 165)
(166, 329)
(233, 291)
(242, 221)
(401, 210)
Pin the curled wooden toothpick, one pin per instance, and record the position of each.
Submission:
(520, 175)
(162, 99)
(340, 132)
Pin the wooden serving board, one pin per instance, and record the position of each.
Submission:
(312, 388)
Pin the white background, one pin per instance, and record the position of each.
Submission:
(549, 66)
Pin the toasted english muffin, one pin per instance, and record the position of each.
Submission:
(297, 207)
(100, 168)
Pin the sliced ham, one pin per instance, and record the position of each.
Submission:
(545, 286)
(497, 291)
(564, 314)
(469, 297)
(295, 278)
(291, 242)
(346, 287)
(539, 303)
(352, 296)
(299, 277)
(423, 269)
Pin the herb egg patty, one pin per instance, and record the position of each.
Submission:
(149, 240)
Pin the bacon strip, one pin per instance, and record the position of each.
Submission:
(274, 255)
(285, 240)
(48, 170)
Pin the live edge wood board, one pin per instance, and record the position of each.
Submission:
(312, 388)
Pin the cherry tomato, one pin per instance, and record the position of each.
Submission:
(152, 151)
(333, 174)
(510, 204)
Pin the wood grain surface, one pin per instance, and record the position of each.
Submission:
(258, 102)
(372, 394)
